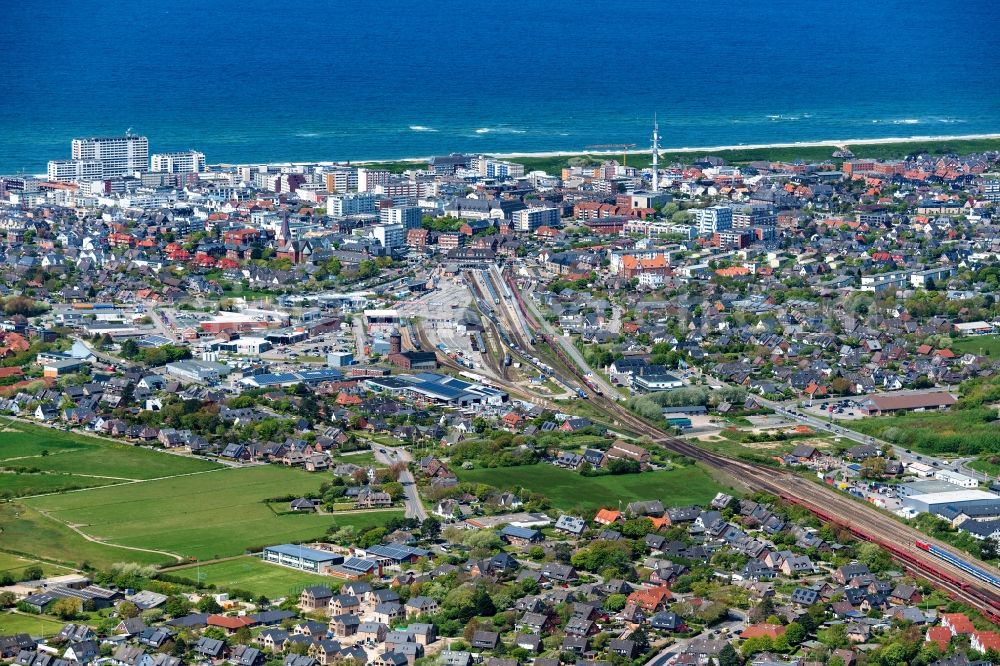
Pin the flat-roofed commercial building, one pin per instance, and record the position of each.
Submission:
(186, 161)
(875, 405)
(300, 557)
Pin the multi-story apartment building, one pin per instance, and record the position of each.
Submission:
(66, 170)
(529, 219)
(186, 161)
(494, 168)
(715, 219)
(128, 153)
(341, 179)
(754, 216)
(369, 178)
(410, 217)
(389, 236)
(359, 203)
(102, 157)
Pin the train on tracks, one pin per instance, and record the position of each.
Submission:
(956, 561)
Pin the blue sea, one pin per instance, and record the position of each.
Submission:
(335, 80)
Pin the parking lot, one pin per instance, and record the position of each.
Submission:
(844, 409)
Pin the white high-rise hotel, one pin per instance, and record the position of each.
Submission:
(102, 157)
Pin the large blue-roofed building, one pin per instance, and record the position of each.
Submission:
(300, 557)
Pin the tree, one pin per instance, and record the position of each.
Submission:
(752, 646)
(728, 656)
(873, 468)
(795, 633)
(66, 608)
(484, 603)
(179, 648)
(615, 602)
(215, 632)
(129, 348)
(127, 609)
(7, 600)
(430, 528)
(637, 528)
(32, 573)
(471, 627)
(762, 610)
(874, 556)
(242, 636)
(641, 640)
(208, 604)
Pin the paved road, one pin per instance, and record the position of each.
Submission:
(160, 325)
(388, 455)
(359, 339)
(105, 358)
(667, 654)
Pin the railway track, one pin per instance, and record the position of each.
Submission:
(829, 505)
(423, 344)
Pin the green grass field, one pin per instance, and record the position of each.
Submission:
(23, 444)
(958, 431)
(20, 485)
(206, 516)
(34, 625)
(988, 465)
(251, 574)
(361, 459)
(18, 440)
(15, 566)
(982, 345)
(23, 530)
(569, 491)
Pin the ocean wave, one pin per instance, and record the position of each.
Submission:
(781, 116)
(307, 135)
(499, 130)
(422, 128)
(906, 121)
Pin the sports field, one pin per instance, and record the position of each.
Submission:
(60, 460)
(251, 574)
(206, 516)
(569, 491)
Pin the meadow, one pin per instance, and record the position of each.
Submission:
(958, 431)
(981, 345)
(26, 532)
(569, 491)
(203, 516)
(15, 565)
(24, 484)
(60, 460)
(33, 625)
(251, 574)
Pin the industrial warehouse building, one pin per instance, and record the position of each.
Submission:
(437, 388)
(939, 503)
(300, 557)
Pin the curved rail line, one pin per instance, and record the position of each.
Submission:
(831, 506)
